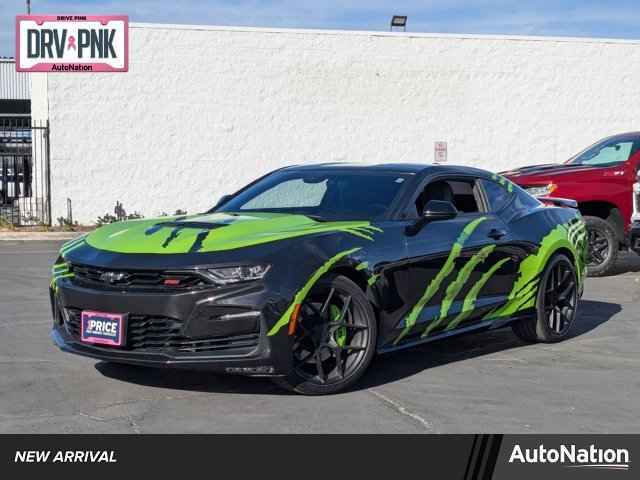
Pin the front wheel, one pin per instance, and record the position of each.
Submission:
(334, 341)
(556, 304)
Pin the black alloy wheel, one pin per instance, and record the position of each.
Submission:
(560, 297)
(334, 340)
(602, 246)
(599, 248)
(556, 304)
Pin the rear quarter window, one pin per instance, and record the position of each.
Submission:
(497, 195)
(507, 199)
(524, 201)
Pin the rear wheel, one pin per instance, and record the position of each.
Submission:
(556, 304)
(334, 341)
(602, 246)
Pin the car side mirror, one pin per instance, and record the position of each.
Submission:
(436, 210)
(433, 211)
(223, 199)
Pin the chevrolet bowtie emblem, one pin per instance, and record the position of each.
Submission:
(113, 277)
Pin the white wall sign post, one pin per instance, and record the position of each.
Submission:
(440, 152)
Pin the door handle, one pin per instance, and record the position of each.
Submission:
(497, 233)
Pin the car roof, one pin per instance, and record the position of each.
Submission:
(343, 166)
(407, 168)
(622, 136)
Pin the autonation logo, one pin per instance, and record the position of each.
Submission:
(574, 457)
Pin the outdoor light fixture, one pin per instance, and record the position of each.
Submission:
(399, 21)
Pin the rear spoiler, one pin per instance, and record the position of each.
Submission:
(559, 202)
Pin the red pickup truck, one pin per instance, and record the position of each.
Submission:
(604, 180)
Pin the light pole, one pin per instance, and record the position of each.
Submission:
(28, 7)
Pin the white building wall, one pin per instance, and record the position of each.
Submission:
(203, 110)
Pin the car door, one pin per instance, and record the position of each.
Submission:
(460, 269)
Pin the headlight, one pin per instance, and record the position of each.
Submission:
(226, 275)
(542, 191)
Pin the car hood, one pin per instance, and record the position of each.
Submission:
(213, 232)
(545, 170)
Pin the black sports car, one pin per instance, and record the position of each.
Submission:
(308, 272)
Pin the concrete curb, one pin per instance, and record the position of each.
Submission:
(34, 236)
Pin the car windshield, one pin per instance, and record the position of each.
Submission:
(608, 152)
(322, 195)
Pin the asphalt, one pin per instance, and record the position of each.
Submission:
(488, 382)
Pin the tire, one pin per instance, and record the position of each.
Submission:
(602, 243)
(556, 304)
(323, 332)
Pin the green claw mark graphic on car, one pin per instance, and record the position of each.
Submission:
(72, 245)
(215, 232)
(61, 270)
(58, 271)
(571, 235)
(435, 283)
(373, 279)
(304, 291)
(362, 266)
(577, 235)
(524, 290)
(503, 181)
(469, 303)
(454, 287)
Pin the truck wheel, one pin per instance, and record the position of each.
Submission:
(602, 246)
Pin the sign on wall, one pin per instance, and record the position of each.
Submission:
(72, 43)
(440, 152)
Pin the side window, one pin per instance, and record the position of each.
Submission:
(461, 192)
(289, 194)
(497, 195)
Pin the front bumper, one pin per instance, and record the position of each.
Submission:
(181, 330)
(634, 236)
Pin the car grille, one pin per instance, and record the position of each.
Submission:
(156, 333)
(161, 281)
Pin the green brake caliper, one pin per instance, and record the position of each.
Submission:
(340, 335)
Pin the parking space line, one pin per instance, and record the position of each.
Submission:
(401, 409)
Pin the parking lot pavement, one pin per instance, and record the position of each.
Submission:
(488, 382)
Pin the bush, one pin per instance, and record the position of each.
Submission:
(6, 224)
(177, 213)
(66, 224)
(120, 215)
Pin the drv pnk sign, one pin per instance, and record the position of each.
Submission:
(72, 43)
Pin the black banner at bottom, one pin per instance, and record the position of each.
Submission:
(466, 457)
